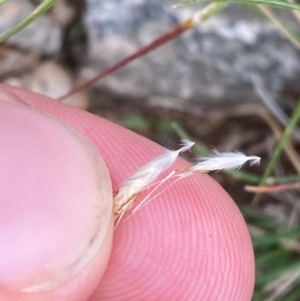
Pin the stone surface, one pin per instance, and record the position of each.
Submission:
(51, 79)
(13, 61)
(211, 63)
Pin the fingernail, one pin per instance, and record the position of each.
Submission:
(56, 200)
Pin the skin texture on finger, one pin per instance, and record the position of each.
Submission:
(53, 185)
(190, 243)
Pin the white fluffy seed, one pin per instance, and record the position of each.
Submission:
(224, 161)
(144, 177)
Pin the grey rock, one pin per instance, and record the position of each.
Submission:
(43, 35)
(209, 64)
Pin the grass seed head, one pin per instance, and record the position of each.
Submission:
(144, 177)
(224, 161)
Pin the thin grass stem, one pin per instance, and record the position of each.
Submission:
(272, 3)
(290, 34)
(41, 9)
(168, 36)
(281, 144)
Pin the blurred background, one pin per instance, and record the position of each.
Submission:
(231, 83)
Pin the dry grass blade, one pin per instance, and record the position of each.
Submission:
(296, 13)
(235, 111)
(282, 285)
(268, 100)
(268, 12)
(272, 189)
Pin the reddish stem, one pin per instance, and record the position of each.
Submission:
(170, 35)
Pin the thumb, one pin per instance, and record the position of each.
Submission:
(190, 244)
(55, 207)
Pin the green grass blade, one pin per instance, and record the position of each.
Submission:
(283, 180)
(265, 279)
(270, 239)
(284, 139)
(255, 217)
(267, 259)
(41, 9)
(3, 1)
(272, 3)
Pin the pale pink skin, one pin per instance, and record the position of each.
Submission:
(189, 243)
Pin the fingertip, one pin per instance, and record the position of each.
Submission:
(189, 243)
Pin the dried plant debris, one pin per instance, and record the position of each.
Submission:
(146, 175)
